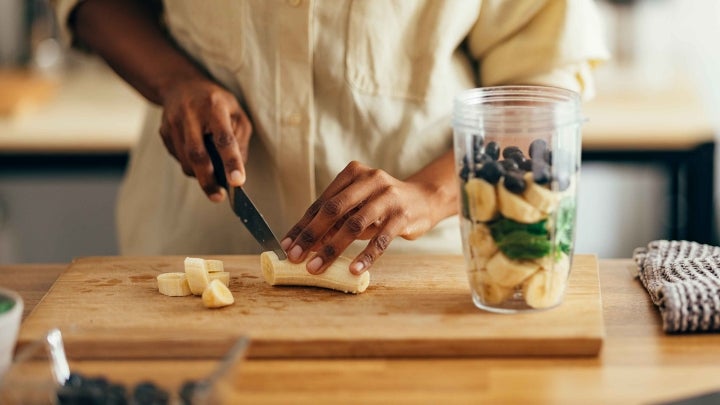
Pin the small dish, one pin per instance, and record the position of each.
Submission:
(42, 374)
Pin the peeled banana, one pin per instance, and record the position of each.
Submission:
(542, 198)
(214, 266)
(515, 207)
(335, 277)
(509, 273)
(545, 288)
(481, 199)
(223, 276)
(173, 284)
(482, 245)
(217, 295)
(490, 292)
(197, 274)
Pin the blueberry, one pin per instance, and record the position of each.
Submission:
(547, 156)
(509, 165)
(537, 148)
(490, 172)
(541, 172)
(511, 150)
(464, 173)
(75, 380)
(493, 150)
(514, 182)
(477, 141)
(186, 392)
(518, 157)
(482, 158)
(526, 165)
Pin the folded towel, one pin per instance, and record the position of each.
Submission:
(683, 280)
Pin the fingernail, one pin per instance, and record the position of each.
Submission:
(357, 267)
(285, 243)
(295, 252)
(236, 178)
(314, 264)
(217, 197)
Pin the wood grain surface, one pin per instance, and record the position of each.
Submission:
(416, 306)
(639, 364)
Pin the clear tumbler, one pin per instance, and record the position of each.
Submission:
(517, 152)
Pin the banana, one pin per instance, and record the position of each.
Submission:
(481, 199)
(335, 277)
(509, 273)
(482, 245)
(546, 287)
(173, 284)
(223, 276)
(197, 274)
(539, 197)
(214, 266)
(217, 295)
(490, 292)
(515, 207)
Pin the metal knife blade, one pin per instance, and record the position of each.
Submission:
(243, 207)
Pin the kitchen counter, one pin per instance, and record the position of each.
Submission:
(638, 362)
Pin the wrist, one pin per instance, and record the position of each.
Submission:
(166, 85)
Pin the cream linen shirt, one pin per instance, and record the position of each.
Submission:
(326, 82)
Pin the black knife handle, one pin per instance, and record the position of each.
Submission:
(218, 166)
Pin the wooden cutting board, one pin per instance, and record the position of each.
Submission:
(416, 306)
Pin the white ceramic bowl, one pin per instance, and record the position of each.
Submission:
(9, 326)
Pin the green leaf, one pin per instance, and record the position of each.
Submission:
(565, 224)
(6, 304)
(503, 226)
(522, 245)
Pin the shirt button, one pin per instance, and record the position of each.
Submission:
(294, 3)
(294, 119)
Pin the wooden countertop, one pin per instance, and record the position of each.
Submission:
(638, 363)
(91, 111)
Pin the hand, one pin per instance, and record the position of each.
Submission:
(360, 203)
(197, 108)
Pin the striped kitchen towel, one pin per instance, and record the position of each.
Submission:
(683, 280)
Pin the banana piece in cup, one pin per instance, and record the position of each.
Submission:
(509, 273)
(482, 200)
(516, 208)
(545, 288)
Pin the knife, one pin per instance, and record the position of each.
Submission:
(243, 207)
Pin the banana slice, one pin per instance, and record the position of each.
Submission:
(515, 207)
(490, 292)
(217, 295)
(197, 274)
(223, 276)
(509, 273)
(546, 287)
(335, 277)
(214, 266)
(481, 199)
(540, 197)
(482, 245)
(173, 284)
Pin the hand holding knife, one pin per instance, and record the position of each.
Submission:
(243, 207)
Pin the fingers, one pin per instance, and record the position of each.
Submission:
(341, 181)
(325, 216)
(227, 146)
(197, 156)
(384, 206)
(199, 108)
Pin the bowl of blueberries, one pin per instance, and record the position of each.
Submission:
(42, 374)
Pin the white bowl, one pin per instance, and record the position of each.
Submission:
(9, 326)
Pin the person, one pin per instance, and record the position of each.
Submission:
(337, 105)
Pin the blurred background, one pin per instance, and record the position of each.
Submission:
(67, 124)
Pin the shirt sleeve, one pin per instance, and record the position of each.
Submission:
(548, 42)
(63, 12)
